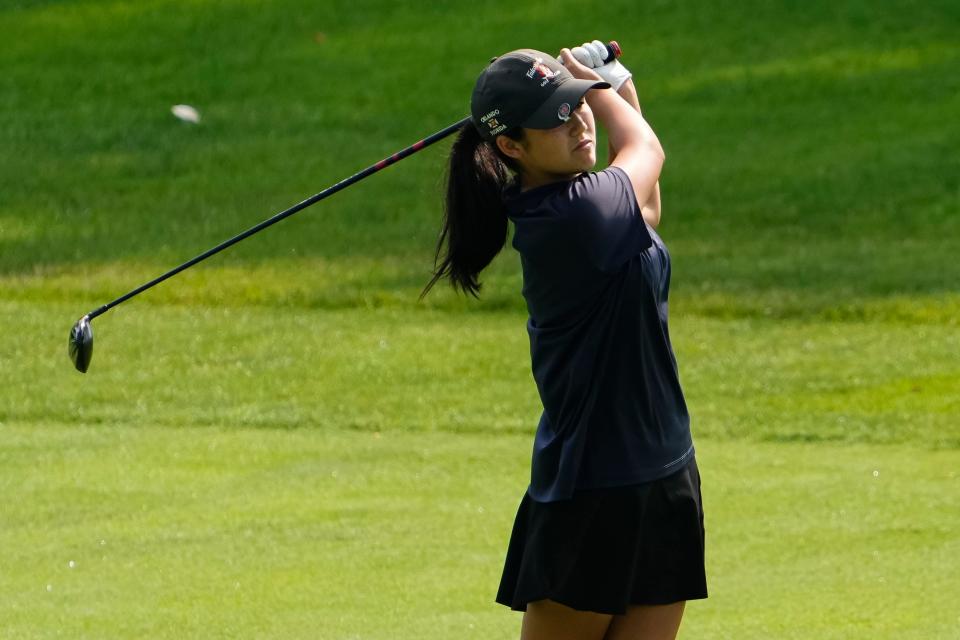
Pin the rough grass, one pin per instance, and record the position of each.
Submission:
(810, 147)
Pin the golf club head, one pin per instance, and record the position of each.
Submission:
(81, 344)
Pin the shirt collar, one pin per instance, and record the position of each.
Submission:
(517, 201)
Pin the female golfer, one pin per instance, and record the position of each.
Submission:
(608, 542)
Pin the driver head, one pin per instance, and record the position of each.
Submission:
(81, 344)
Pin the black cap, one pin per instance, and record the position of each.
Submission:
(525, 88)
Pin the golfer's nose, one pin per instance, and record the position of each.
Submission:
(577, 125)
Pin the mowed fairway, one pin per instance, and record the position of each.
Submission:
(284, 443)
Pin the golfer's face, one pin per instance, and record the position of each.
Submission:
(563, 151)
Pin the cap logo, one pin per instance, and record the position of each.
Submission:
(495, 126)
(542, 70)
(564, 112)
(490, 119)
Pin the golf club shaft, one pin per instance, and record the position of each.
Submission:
(343, 184)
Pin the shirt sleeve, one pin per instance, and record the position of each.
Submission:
(606, 218)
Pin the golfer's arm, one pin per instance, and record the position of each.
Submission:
(635, 147)
(652, 207)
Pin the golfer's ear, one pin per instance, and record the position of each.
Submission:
(510, 147)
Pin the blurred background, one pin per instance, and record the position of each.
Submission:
(284, 441)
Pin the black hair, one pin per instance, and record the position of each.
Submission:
(475, 220)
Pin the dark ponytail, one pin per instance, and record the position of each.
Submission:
(475, 220)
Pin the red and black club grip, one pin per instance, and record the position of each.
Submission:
(613, 51)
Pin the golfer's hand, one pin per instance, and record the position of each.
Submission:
(591, 55)
(576, 69)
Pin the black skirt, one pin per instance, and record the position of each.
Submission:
(605, 549)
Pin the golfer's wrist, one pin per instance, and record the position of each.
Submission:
(628, 91)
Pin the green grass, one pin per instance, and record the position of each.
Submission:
(810, 147)
(352, 473)
(284, 442)
(416, 371)
(245, 532)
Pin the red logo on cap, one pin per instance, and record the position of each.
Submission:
(542, 70)
(564, 112)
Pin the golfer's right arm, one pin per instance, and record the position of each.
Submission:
(635, 147)
(652, 207)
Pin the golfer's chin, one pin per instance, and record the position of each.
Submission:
(585, 158)
(588, 165)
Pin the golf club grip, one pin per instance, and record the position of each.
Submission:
(613, 51)
(343, 184)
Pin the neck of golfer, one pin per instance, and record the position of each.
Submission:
(531, 179)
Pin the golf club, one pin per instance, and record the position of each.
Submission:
(80, 345)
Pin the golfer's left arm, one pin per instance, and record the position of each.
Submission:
(652, 207)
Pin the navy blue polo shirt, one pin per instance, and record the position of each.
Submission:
(596, 279)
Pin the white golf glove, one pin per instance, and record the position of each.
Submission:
(593, 55)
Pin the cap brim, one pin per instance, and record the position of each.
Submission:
(569, 92)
